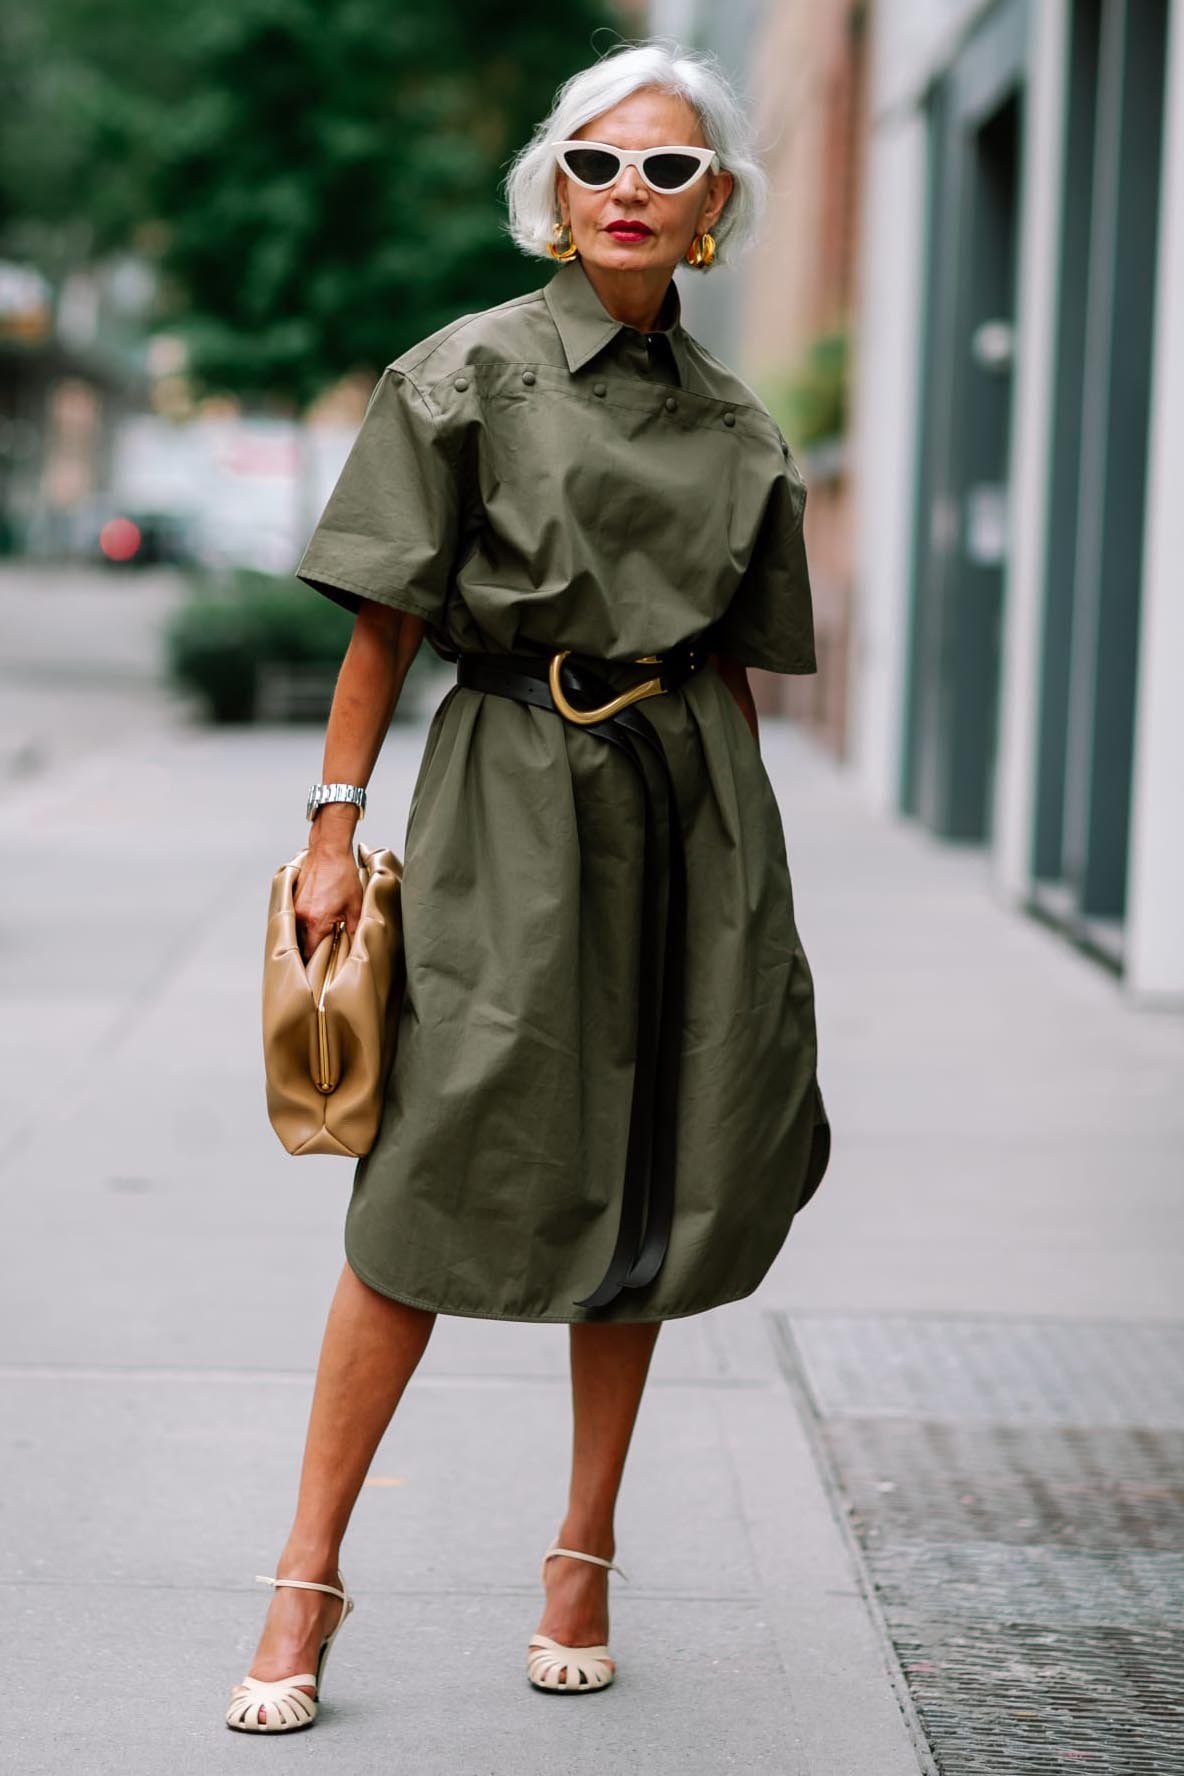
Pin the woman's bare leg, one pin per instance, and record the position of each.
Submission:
(368, 1355)
(609, 1366)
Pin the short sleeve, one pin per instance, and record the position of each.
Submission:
(389, 530)
(770, 621)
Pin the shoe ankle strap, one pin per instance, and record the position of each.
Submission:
(576, 1554)
(306, 1585)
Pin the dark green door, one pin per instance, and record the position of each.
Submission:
(1089, 656)
(961, 522)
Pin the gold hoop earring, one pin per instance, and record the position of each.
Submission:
(701, 251)
(566, 252)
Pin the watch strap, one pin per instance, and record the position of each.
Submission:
(320, 793)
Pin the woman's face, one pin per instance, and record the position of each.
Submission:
(647, 119)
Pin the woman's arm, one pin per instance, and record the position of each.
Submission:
(735, 677)
(381, 648)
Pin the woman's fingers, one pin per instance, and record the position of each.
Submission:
(324, 903)
(310, 936)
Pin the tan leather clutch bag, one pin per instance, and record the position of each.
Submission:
(329, 1025)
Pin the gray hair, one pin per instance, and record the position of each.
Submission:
(693, 75)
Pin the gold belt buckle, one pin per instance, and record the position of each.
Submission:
(649, 687)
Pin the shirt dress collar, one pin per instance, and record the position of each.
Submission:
(585, 326)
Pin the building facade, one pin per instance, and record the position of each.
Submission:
(1018, 449)
(997, 532)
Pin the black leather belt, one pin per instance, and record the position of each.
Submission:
(610, 711)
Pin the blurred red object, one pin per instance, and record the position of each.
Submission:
(119, 539)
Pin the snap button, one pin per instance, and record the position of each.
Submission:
(729, 418)
(460, 382)
(528, 377)
(670, 404)
(599, 388)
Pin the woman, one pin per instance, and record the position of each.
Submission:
(604, 1107)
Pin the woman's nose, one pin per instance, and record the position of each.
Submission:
(630, 183)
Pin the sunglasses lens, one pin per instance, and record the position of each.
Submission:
(669, 171)
(594, 165)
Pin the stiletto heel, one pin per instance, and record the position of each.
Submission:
(285, 1706)
(584, 1667)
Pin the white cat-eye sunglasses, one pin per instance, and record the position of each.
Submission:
(596, 165)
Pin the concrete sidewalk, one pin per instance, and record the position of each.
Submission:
(1006, 1139)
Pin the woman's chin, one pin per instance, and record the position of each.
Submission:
(619, 255)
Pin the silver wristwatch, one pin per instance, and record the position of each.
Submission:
(320, 793)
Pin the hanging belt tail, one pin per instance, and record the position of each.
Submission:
(647, 1197)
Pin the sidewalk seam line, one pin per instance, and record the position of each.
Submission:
(792, 1367)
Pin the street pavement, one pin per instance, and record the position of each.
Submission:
(1007, 1137)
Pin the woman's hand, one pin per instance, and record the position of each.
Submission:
(328, 888)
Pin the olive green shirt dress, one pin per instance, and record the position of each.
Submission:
(534, 476)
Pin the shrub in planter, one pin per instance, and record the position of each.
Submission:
(233, 626)
(809, 401)
(210, 648)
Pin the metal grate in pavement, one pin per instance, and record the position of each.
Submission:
(1047, 1485)
(1015, 1491)
(1050, 1586)
(1014, 1699)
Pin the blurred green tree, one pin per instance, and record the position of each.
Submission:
(318, 185)
(82, 85)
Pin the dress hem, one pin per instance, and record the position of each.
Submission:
(594, 1318)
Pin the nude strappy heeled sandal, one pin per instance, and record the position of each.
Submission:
(285, 1707)
(583, 1667)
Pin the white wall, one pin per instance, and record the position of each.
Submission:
(1045, 107)
(1155, 925)
(912, 40)
(884, 424)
